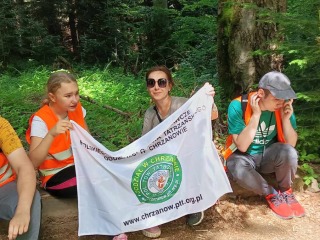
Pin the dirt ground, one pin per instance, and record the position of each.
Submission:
(232, 218)
(237, 216)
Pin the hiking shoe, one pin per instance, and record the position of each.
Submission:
(279, 206)
(153, 232)
(295, 206)
(195, 219)
(122, 236)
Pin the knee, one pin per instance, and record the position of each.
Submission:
(238, 168)
(288, 154)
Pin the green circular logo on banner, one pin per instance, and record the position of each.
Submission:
(157, 178)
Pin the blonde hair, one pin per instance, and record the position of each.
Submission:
(54, 83)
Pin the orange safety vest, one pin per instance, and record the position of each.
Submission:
(231, 147)
(7, 174)
(60, 155)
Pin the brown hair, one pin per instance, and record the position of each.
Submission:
(161, 69)
(266, 92)
(54, 83)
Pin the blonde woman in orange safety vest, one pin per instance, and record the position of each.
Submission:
(262, 140)
(49, 137)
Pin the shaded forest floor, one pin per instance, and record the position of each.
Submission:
(248, 218)
(233, 218)
(239, 216)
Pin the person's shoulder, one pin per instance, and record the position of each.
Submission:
(150, 110)
(179, 99)
(4, 122)
(235, 103)
(177, 102)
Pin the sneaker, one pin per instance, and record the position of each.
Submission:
(279, 206)
(195, 219)
(122, 236)
(295, 206)
(153, 232)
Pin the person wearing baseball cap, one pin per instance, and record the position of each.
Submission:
(262, 141)
(278, 84)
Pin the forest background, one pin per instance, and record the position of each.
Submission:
(109, 45)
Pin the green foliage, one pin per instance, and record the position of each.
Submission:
(156, 30)
(130, 36)
(309, 173)
(300, 26)
(195, 40)
(127, 34)
(22, 35)
(111, 87)
(301, 46)
(25, 92)
(20, 97)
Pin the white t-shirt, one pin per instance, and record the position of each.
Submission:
(39, 127)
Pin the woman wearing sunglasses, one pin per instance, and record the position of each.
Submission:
(159, 84)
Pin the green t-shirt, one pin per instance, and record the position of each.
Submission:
(266, 133)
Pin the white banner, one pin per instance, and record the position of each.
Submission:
(172, 171)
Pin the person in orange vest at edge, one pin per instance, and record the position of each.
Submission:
(49, 136)
(262, 140)
(159, 83)
(20, 202)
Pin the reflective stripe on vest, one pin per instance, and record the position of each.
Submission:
(60, 154)
(231, 147)
(48, 172)
(6, 172)
(3, 169)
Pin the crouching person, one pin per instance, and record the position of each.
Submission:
(263, 139)
(19, 199)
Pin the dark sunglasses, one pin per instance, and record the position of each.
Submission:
(162, 82)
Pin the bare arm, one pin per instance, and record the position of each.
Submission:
(39, 147)
(245, 138)
(26, 185)
(290, 134)
(210, 91)
(214, 112)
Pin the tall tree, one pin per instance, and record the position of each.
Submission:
(247, 28)
(72, 9)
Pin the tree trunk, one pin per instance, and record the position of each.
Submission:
(245, 28)
(73, 27)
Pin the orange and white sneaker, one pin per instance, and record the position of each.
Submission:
(279, 206)
(152, 232)
(295, 206)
